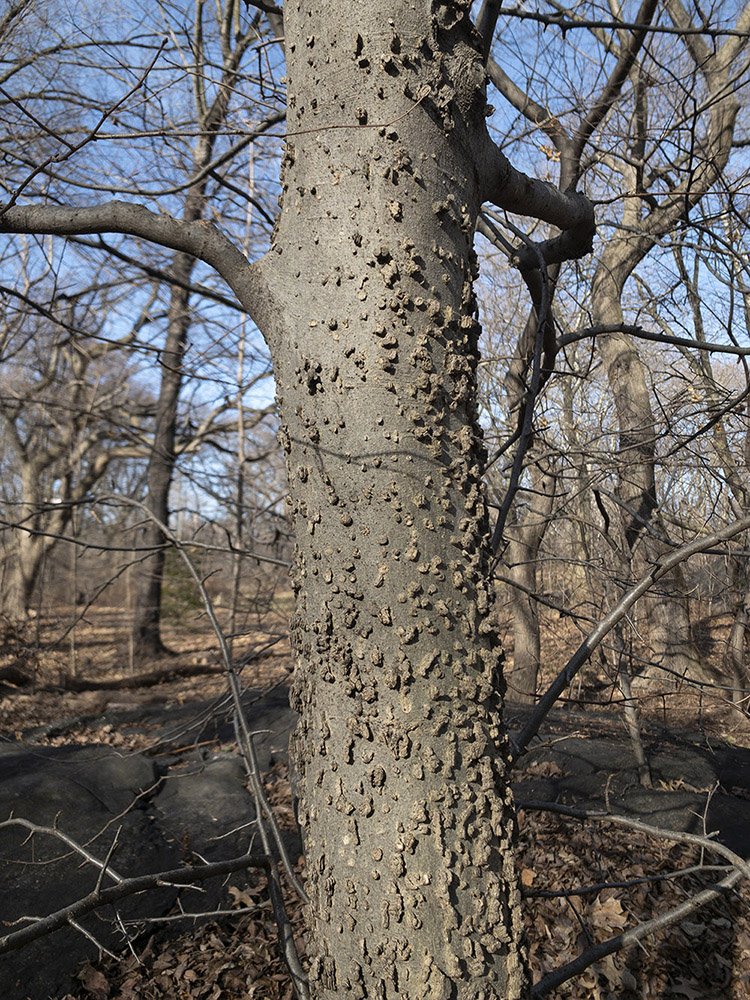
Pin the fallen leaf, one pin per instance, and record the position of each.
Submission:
(94, 982)
(607, 914)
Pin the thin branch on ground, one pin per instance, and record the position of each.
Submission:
(594, 889)
(707, 842)
(741, 869)
(630, 937)
(124, 887)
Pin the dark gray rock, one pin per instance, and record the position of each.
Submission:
(88, 793)
(203, 805)
(690, 782)
(171, 808)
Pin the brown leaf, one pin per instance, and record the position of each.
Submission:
(94, 982)
(240, 897)
(607, 914)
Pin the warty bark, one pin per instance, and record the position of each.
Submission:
(404, 800)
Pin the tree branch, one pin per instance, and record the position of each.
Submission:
(99, 897)
(660, 338)
(620, 610)
(617, 78)
(635, 934)
(516, 192)
(199, 239)
(571, 211)
(568, 23)
(247, 747)
(529, 108)
(630, 937)
(485, 25)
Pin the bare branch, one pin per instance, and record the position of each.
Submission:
(620, 610)
(570, 211)
(569, 23)
(630, 937)
(528, 107)
(643, 930)
(247, 747)
(658, 338)
(485, 25)
(199, 239)
(614, 84)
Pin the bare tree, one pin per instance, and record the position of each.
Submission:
(212, 99)
(69, 412)
(659, 182)
(369, 283)
(711, 108)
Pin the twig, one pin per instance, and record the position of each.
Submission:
(678, 836)
(590, 890)
(107, 860)
(72, 149)
(52, 831)
(87, 934)
(598, 951)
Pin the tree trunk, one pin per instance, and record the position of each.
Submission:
(161, 464)
(525, 537)
(671, 638)
(20, 577)
(737, 643)
(404, 800)
(18, 591)
(163, 458)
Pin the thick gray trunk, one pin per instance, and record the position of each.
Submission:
(404, 801)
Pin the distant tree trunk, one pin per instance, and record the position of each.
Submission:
(525, 535)
(737, 645)
(161, 463)
(670, 632)
(403, 803)
(734, 463)
(25, 554)
(19, 580)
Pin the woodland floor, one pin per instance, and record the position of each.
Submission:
(86, 690)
